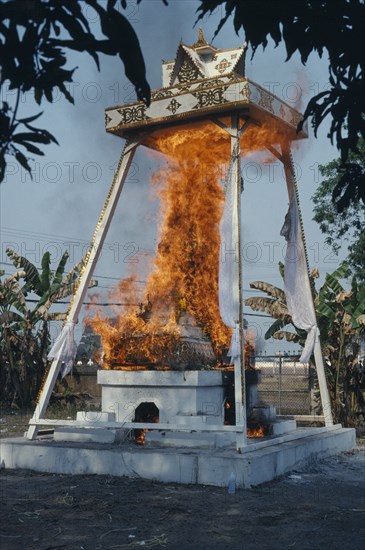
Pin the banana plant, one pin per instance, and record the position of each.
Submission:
(274, 304)
(49, 286)
(341, 320)
(24, 331)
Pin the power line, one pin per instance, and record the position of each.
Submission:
(108, 304)
(17, 233)
(119, 279)
(96, 276)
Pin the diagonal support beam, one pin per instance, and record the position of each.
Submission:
(274, 152)
(230, 129)
(86, 273)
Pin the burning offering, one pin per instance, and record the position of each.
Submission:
(176, 357)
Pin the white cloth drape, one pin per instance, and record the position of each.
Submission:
(296, 281)
(228, 261)
(64, 348)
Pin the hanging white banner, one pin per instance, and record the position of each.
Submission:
(228, 261)
(296, 281)
(64, 348)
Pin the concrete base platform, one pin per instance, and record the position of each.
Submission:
(196, 440)
(208, 440)
(280, 427)
(259, 462)
(84, 435)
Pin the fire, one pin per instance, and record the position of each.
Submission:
(184, 276)
(259, 431)
(140, 436)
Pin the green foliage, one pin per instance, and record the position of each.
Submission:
(341, 320)
(306, 26)
(24, 332)
(35, 39)
(349, 224)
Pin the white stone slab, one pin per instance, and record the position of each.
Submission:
(280, 427)
(180, 439)
(201, 466)
(202, 440)
(95, 416)
(84, 435)
(175, 394)
(159, 378)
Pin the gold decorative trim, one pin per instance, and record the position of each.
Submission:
(295, 118)
(283, 112)
(296, 191)
(206, 85)
(245, 92)
(214, 96)
(201, 40)
(188, 72)
(291, 110)
(173, 106)
(161, 94)
(188, 88)
(132, 114)
(223, 65)
(179, 116)
(266, 100)
(202, 86)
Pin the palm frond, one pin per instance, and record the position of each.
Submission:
(57, 279)
(46, 272)
(332, 279)
(286, 335)
(258, 303)
(74, 273)
(271, 290)
(361, 320)
(12, 294)
(324, 309)
(31, 272)
(7, 317)
(276, 326)
(276, 309)
(57, 316)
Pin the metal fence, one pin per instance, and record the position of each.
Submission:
(287, 385)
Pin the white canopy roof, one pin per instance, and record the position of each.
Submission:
(202, 60)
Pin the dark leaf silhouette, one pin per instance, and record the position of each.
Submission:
(35, 38)
(315, 26)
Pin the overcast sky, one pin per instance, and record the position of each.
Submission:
(59, 208)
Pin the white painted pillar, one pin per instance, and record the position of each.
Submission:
(322, 382)
(86, 273)
(239, 364)
(236, 131)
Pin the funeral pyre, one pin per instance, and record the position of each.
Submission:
(178, 324)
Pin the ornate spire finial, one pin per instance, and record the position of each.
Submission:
(201, 40)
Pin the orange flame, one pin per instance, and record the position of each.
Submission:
(259, 431)
(185, 270)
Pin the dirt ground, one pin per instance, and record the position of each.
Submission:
(321, 508)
